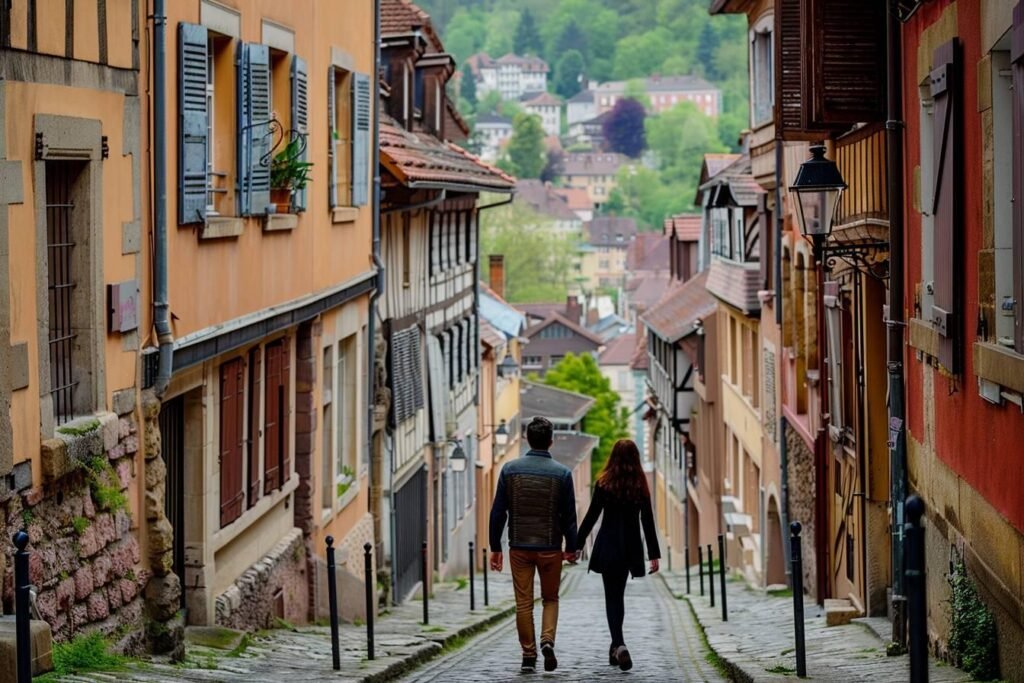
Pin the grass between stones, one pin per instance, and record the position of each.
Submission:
(710, 656)
(781, 669)
(85, 653)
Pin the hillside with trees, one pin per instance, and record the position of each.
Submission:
(604, 40)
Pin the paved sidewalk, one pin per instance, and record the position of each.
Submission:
(756, 644)
(303, 654)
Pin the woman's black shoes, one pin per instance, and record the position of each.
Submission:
(623, 659)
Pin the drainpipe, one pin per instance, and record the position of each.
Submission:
(378, 290)
(161, 307)
(783, 446)
(895, 320)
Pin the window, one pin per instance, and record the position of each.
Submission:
(345, 401)
(532, 361)
(554, 360)
(762, 78)
(232, 406)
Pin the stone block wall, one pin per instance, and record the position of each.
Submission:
(350, 572)
(274, 587)
(85, 558)
(801, 503)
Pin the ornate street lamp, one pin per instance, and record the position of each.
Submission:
(501, 434)
(508, 367)
(457, 460)
(818, 188)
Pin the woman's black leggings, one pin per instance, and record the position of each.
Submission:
(614, 602)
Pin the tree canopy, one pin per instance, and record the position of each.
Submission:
(525, 156)
(607, 419)
(624, 128)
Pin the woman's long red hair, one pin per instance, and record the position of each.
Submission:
(623, 475)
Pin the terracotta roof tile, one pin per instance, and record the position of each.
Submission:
(649, 252)
(421, 160)
(577, 198)
(620, 350)
(398, 17)
(575, 327)
(641, 361)
(606, 231)
(673, 317)
(685, 225)
(543, 199)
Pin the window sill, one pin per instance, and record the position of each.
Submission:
(923, 337)
(344, 214)
(280, 222)
(221, 227)
(999, 365)
(266, 503)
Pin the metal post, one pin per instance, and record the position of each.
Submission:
(22, 626)
(487, 600)
(797, 584)
(426, 587)
(368, 568)
(914, 568)
(721, 574)
(670, 558)
(472, 585)
(332, 595)
(687, 561)
(700, 567)
(711, 574)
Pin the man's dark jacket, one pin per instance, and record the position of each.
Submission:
(537, 497)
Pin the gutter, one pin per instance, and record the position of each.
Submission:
(895, 322)
(161, 306)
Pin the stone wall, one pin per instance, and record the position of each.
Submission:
(350, 572)
(85, 558)
(274, 587)
(801, 503)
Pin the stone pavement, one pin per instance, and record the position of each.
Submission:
(756, 644)
(660, 632)
(303, 654)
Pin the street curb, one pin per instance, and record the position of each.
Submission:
(436, 648)
(735, 672)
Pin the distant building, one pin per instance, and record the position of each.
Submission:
(547, 106)
(603, 257)
(590, 131)
(664, 92)
(542, 198)
(594, 172)
(553, 338)
(511, 76)
(615, 364)
(580, 107)
(494, 131)
(578, 200)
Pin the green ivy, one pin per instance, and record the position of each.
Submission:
(80, 524)
(972, 638)
(104, 484)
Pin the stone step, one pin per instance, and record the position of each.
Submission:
(839, 612)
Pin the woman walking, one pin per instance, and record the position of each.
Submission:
(621, 493)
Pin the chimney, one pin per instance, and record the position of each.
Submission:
(573, 310)
(497, 274)
(593, 316)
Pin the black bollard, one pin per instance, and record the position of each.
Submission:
(426, 586)
(670, 558)
(332, 595)
(472, 585)
(700, 567)
(23, 617)
(721, 574)
(914, 580)
(368, 568)
(487, 600)
(797, 585)
(711, 574)
(687, 562)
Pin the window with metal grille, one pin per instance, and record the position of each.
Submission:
(61, 280)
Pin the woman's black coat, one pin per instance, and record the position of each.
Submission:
(618, 543)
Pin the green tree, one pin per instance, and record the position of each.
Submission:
(568, 73)
(538, 261)
(607, 419)
(526, 157)
(527, 40)
(465, 35)
(467, 86)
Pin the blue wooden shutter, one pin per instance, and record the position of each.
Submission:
(261, 136)
(192, 123)
(360, 139)
(332, 138)
(243, 146)
(300, 119)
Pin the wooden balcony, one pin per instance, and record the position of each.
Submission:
(861, 157)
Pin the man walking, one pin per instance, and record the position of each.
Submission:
(537, 497)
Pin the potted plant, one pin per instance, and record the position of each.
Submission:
(289, 172)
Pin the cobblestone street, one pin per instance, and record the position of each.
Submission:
(660, 632)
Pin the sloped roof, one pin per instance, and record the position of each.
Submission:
(582, 97)
(576, 197)
(527, 63)
(604, 231)
(619, 351)
(493, 120)
(499, 313)
(712, 165)
(557, 405)
(737, 179)
(572, 448)
(419, 160)
(650, 251)
(490, 336)
(685, 83)
(398, 17)
(557, 317)
(649, 291)
(543, 199)
(641, 361)
(672, 318)
(686, 226)
(540, 99)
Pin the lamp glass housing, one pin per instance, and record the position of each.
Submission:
(818, 187)
(501, 434)
(457, 459)
(508, 367)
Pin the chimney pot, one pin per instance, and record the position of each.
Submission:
(496, 271)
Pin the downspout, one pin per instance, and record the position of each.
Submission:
(161, 306)
(375, 476)
(779, 284)
(895, 319)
